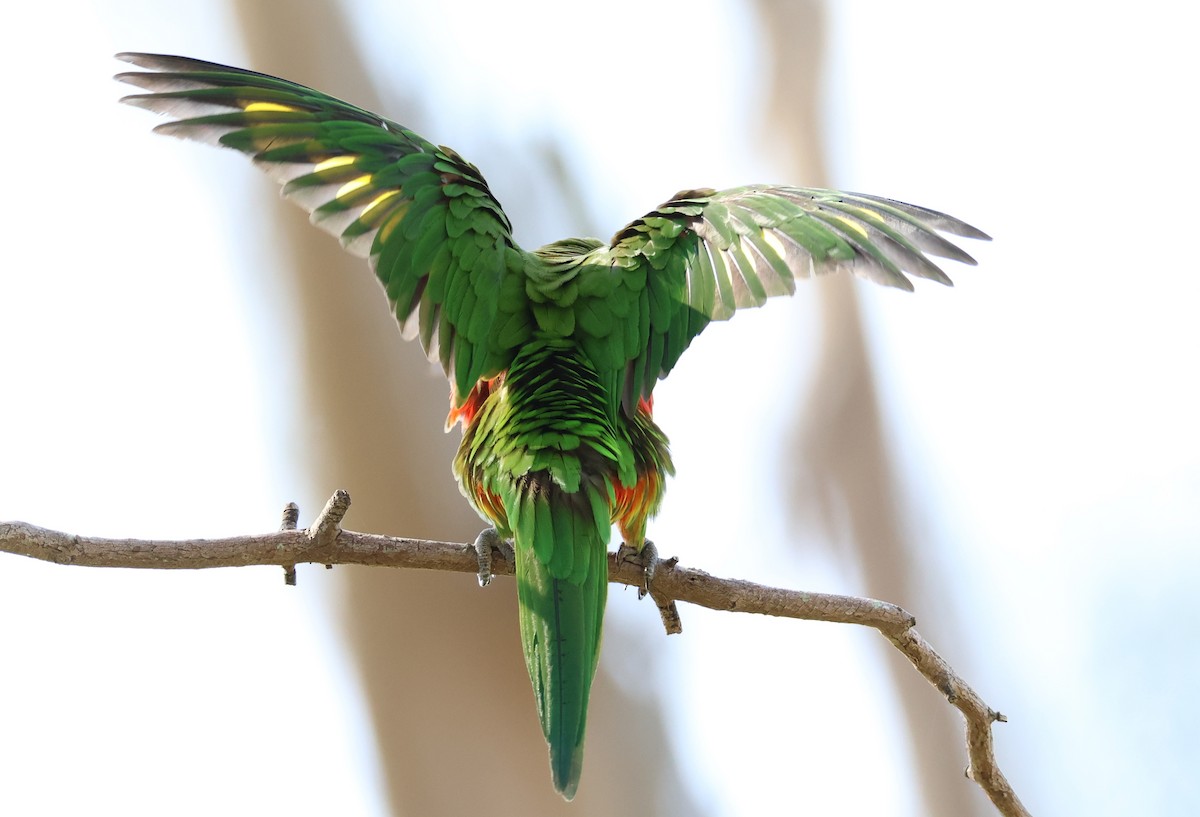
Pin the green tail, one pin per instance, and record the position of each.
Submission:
(545, 448)
(560, 631)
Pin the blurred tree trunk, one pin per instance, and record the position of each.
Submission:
(844, 471)
(439, 658)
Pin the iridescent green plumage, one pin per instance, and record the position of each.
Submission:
(552, 355)
(543, 461)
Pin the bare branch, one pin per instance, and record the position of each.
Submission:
(326, 543)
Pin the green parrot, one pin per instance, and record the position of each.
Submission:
(552, 355)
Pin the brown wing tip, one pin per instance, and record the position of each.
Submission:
(690, 194)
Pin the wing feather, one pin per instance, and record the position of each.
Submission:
(704, 254)
(418, 212)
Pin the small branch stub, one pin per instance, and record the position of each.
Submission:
(324, 532)
(291, 518)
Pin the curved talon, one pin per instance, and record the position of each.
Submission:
(487, 539)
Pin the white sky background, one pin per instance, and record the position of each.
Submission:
(1046, 408)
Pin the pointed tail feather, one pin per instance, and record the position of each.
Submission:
(561, 612)
(546, 447)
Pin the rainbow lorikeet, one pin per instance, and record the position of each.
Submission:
(552, 355)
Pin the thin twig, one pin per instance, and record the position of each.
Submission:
(326, 543)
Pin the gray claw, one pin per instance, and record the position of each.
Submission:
(484, 542)
(647, 557)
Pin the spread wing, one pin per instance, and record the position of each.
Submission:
(424, 218)
(705, 254)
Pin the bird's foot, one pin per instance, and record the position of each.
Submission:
(647, 557)
(487, 539)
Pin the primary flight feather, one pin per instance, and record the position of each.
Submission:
(552, 355)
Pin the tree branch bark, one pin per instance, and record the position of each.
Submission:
(326, 543)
